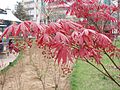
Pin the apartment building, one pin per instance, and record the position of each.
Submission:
(56, 11)
(35, 9)
(40, 11)
(29, 5)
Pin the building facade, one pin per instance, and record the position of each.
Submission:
(29, 5)
(40, 11)
(34, 9)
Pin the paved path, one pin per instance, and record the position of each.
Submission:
(5, 60)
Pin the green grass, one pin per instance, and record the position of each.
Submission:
(86, 77)
(117, 42)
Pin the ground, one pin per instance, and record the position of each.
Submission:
(34, 71)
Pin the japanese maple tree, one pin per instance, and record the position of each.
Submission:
(93, 14)
(67, 40)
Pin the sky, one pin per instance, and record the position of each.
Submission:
(8, 4)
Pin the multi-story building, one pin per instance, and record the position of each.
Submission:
(56, 11)
(39, 11)
(35, 9)
(42, 12)
(29, 5)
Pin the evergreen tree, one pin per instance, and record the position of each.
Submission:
(20, 12)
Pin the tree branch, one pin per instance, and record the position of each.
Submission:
(110, 75)
(111, 60)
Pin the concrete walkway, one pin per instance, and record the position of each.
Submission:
(5, 60)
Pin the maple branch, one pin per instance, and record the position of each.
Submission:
(104, 25)
(89, 19)
(110, 75)
(106, 21)
(111, 60)
(96, 67)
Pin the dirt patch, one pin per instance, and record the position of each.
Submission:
(36, 71)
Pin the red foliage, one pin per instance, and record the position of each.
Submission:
(99, 16)
(9, 31)
(60, 1)
(67, 39)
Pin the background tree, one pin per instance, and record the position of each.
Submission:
(20, 12)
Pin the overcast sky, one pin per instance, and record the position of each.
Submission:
(8, 4)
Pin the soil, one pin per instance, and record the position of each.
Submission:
(34, 71)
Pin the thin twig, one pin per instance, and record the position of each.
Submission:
(96, 68)
(111, 60)
(110, 75)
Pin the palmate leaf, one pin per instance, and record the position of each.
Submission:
(11, 30)
(74, 35)
(60, 37)
(88, 36)
(24, 28)
(53, 28)
(84, 36)
(18, 31)
(102, 41)
(89, 53)
(68, 25)
(64, 25)
(114, 8)
(5, 32)
(44, 40)
(62, 53)
(34, 28)
(77, 38)
(43, 28)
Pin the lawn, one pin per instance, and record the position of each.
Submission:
(86, 77)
